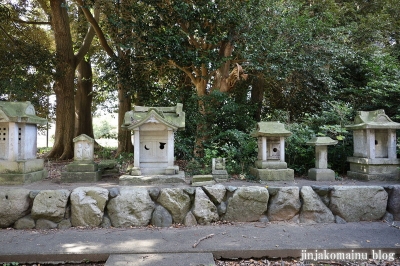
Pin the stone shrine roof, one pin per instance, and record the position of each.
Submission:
(321, 141)
(374, 120)
(172, 117)
(270, 129)
(20, 112)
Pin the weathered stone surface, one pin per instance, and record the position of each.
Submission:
(190, 220)
(14, 204)
(359, 203)
(264, 219)
(388, 217)
(221, 208)
(87, 205)
(106, 223)
(313, 209)
(339, 220)
(33, 193)
(231, 188)
(113, 192)
(394, 202)
(284, 203)
(247, 204)
(133, 207)
(64, 224)
(25, 222)
(203, 209)
(44, 224)
(154, 192)
(216, 192)
(50, 205)
(161, 217)
(176, 201)
(190, 190)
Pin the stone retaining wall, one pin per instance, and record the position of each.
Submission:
(136, 206)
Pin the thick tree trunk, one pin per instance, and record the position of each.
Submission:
(64, 83)
(83, 100)
(257, 95)
(124, 136)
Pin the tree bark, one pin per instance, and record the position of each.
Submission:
(83, 100)
(124, 136)
(257, 95)
(64, 82)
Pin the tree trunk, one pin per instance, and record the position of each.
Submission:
(83, 100)
(64, 83)
(124, 136)
(257, 95)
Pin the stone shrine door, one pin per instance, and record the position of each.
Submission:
(154, 149)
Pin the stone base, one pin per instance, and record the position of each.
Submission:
(220, 175)
(82, 167)
(127, 180)
(270, 164)
(143, 171)
(23, 167)
(72, 177)
(374, 169)
(202, 180)
(20, 179)
(321, 174)
(273, 174)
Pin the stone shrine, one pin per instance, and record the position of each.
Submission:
(321, 171)
(18, 144)
(153, 138)
(218, 169)
(270, 164)
(374, 156)
(83, 169)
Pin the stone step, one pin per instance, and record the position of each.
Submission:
(164, 259)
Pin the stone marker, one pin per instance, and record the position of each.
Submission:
(270, 164)
(18, 144)
(321, 171)
(218, 169)
(83, 169)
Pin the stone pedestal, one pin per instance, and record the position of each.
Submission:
(83, 169)
(203, 180)
(218, 169)
(270, 164)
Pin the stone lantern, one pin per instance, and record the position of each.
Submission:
(321, 171)
(374, 156)
(153, 138)
(18, 144)
(270, 164)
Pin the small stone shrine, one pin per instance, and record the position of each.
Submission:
(153, 138)
(218, 169)
(374, 156)
(18, 144)
(270, 164)
(321, 171)
(83, 168)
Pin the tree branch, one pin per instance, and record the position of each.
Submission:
(87, 40)
(97, 29)
(32, 22)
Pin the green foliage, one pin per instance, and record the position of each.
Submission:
(105, 153)
(11, 264)
(104, 129)
(124, 160)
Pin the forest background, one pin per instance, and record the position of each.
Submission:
(309, 64)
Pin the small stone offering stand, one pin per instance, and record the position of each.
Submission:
(270, 164)
(374, 137)
(321, 171)
(18, 144)
(153, 140)
(83, 169)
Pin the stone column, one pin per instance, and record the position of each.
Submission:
(170, 151)
(392, 154)
(13, 142)
(136, 148)
(282, 149)
(321, 157)
(370, 143)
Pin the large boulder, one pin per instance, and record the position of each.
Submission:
(133, 207)
(359, 203)
(203, 209)
(14, 204)
(176, 201)
(284, 203)
(50, 205)
(313, 209)
(87, 206)
(216, 192)
(247, 204)
(394, 202)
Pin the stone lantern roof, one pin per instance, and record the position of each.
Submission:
(373, 120)
(270, 129)
(321, 141)
(19, 112)
(172, 117)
